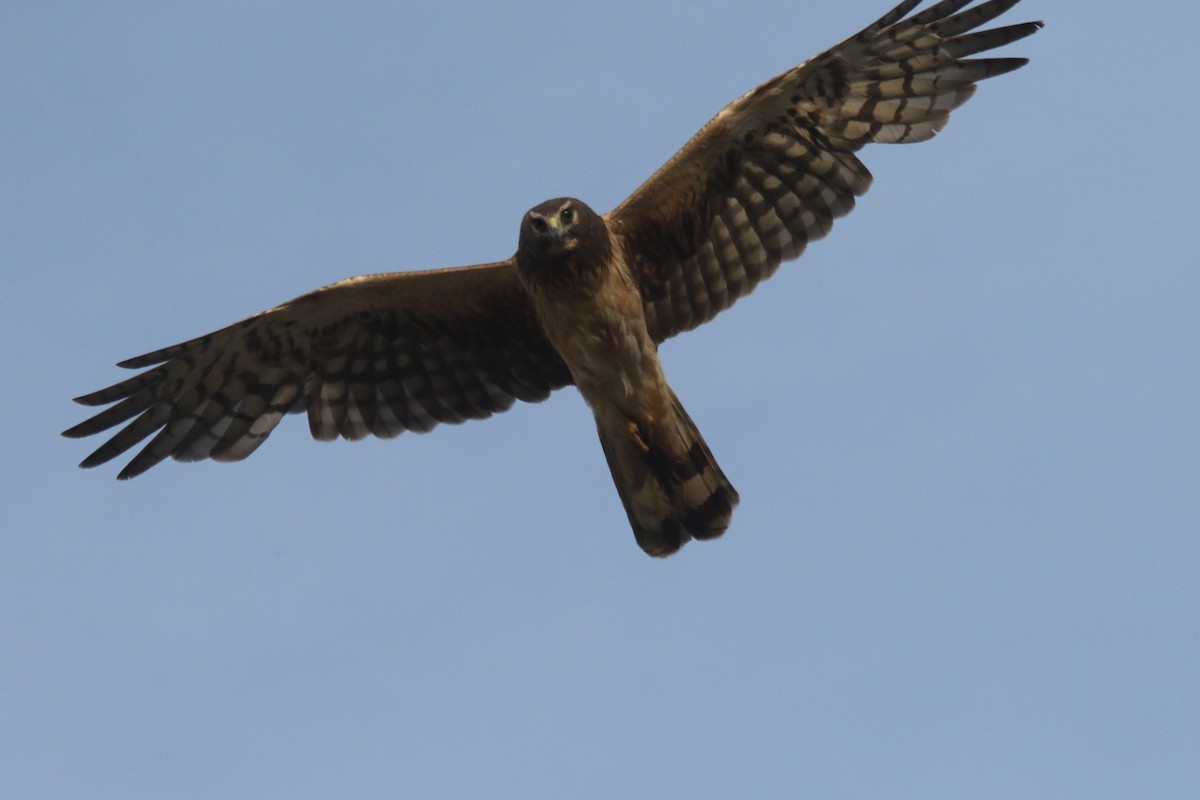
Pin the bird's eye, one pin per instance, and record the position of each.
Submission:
(567, 215)
(539, 225)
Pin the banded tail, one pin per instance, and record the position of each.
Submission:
(669, 482)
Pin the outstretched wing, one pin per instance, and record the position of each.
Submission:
(774, 168)
(378, 354)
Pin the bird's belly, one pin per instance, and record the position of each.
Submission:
(604, 341)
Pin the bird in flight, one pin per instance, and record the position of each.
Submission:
(586, 299)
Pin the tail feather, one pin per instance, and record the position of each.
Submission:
(670, 484)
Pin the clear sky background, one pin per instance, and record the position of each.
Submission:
(964, 427)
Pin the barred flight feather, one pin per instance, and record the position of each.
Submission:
(358, 372)
(775, 168)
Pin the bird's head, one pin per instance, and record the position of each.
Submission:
(561, 238)
(551, 227)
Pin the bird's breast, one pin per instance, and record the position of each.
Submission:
(604, 341)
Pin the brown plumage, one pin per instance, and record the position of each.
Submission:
(587, 298)
(589, 304)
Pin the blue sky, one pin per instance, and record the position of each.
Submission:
(964, 426)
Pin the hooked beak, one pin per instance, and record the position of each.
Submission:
(556, 234)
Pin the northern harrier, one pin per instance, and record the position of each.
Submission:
(586, 299)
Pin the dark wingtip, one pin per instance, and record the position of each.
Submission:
(137, 362)
(96, 398)
(94, 460)
(1022, 29)
(77, 431)
(1003, 66)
